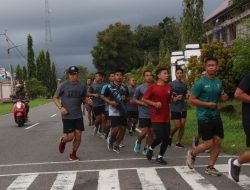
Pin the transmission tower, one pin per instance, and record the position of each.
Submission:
(48, 36)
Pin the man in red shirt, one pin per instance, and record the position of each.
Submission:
(158, 97)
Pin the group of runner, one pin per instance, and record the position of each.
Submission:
(118, 104)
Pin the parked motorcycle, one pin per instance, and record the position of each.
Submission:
(19, 112)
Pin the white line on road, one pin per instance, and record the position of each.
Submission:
(194, 179)
(64, 181)
(32, 126)
(150, 179)
(103, 160)
(108, 179)
(22, 182)
(53, 115)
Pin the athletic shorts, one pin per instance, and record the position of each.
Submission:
(246, 126)
(132, 114)
(88, 107)
(210, 128)
(98, 110)
(144, 122)
(70, 125)
(117, 121)
(178, 115)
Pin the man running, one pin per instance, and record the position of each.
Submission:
(72, 94)
(116, 95)
(98, 104)
(242, 93)
(158, 96)
(178, 106)
(144, 113)
(131, 106)
(88, 107)
(205, 95)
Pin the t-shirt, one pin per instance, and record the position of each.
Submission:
(245, 86)
(207, 90)
(114, 93)
(143, 110)
(71, 98)
(179, 88)
(96, 88)
(131, 107)
(102, 93)
(159, 93)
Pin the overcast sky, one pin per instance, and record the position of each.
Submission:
(75, 23)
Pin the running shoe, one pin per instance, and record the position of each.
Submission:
(212, 171)
(149, 154)
(62, 145)
(179, 145)
(144, 152)
(160, 161)
(234, 171)
(116, 149)
(137, 147)
(73, 157)
(190, 160)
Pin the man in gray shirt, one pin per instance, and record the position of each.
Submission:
(144, 113)
(69, 97)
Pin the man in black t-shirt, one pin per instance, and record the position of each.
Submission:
(242, 93)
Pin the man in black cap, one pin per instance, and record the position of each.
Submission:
(68, 98)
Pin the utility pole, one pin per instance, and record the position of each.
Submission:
(48, 36)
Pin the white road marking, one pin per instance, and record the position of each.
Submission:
(90, 161)
(108, 179)
(244, 179)
(22, 182)
(64, 181)
(53, 115)
(150, 179)
(32, 126)
(194, 179)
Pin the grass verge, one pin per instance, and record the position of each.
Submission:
(7, 107)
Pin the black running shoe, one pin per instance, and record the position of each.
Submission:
(234, 171)
(149, 154)
(116, 149)
(160, 161)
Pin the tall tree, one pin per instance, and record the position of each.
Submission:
(115, 48)
(31, 59)
(192, 22)
(170, 34)
(53, 79)
(41, 67)
(24, 73)
(164, 57)
(19, 73)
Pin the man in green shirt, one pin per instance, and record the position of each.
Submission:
(205, 95)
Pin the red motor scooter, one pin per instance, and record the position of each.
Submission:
(20, 113)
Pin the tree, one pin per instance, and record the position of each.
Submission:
(239, 2)
(36, 88)
(164, 57)
(241, 53)
(24, 73)
(19, 73)
(53, 79)
(115, 49)
(170, 34)
(31, 59)
(192, 22)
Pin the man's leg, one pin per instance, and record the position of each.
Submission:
(181, 131)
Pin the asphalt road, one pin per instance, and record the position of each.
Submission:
(29, 159)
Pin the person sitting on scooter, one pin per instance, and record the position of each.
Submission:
(20, 94)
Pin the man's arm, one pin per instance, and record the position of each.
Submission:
(57, 101)
(242, 96)
(196, 102)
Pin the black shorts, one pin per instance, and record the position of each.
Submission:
(70, 125)
(178, 115)
(117, 121)
(132, 114)
(210, 128)
(246, 126)
(161, 130)
(98, 110)
(144, 122)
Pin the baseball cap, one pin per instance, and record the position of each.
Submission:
(73, 69)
